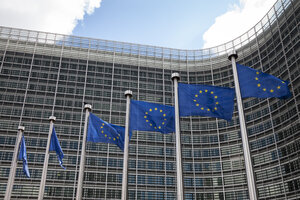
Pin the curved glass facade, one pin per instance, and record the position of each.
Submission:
(43, 74)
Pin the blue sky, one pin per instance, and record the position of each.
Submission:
(183, 24)
(167, 23)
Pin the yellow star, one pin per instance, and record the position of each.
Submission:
(278, 87)
(102, 131)
(211, 92)
(200, 91)
(205, 90)
(216, 97)
(150, 124)
(147, 120)
(264, 89)
(105, 135)
(197, 104)
(155, 108)
(271, 90)
(159, 127)
(163, 123)
(102, 124)
(146, 113)
(202, 108)
(258, 85)
(217, 103)
(256, 78)
(145, 117)
(195, 100)
(114, 139)
(196, 95)
(165, 119)
(257, 72)
(109, 138)
(208, 109)
(101, 127)
(160, 111)
(117, 137)
(164, 115)
(155, 127)
(216, 108)
(150, 109)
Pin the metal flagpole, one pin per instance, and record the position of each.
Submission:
(128, 95)
(45, 168)
(88, 109)
(180, 189)
(14, 161)
(248, 162)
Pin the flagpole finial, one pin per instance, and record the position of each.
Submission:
(232, 54)
(52, 118)
(128, 92)
(88, 106)
(21, 128)
(175, 75)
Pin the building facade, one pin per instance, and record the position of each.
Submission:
(44, 74)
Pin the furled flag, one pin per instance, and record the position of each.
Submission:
(55, 146)
(146, 116)
(23, 157)
(254, 83)
(204, 100)
(101, 131)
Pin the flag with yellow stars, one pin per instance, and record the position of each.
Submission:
(101, 131)
(23, 156)
(254, 83)
(205, 100)
(145, 116)
(55, 146)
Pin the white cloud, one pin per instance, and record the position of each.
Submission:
(235, 22)
(57, 16)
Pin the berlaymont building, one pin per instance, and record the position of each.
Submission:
(44, 74)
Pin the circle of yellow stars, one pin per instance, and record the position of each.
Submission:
(146, 117)
(106, 135)
(203, 108)
(259, 85)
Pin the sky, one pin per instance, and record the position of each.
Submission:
(180, 24)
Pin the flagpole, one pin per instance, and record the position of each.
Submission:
(128, 95)
(247, 154)
(46, 160)
(88, 109)
(180, 188)
(14, 161)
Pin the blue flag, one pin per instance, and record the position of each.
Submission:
(23, 157)
(204, 100)
(254, 83)
(55, 146)
(155, 117)
(101, 131)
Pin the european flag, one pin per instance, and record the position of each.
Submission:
(254, 83)
(23, 157)
(155, 117)
(101, 131)
(204, 100)
(55, 146)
